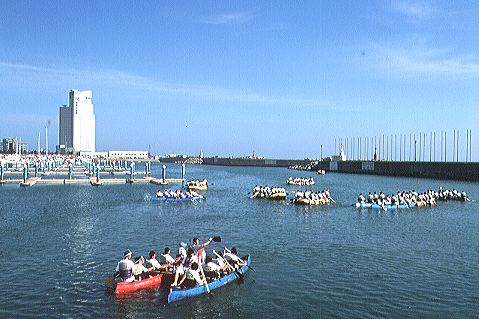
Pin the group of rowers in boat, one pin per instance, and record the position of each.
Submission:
(300, 181)
(191, 266)
(454, 195)
(198, 184)
(312, 198)
(405, 198)
(268, 192)
(177, 194)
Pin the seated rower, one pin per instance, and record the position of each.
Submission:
(211, 269)
(166, 260)
(361, 198)
(153, 262)
(234, 260)
(192, 277)
(159, 194)
(139, 271)
(125, 267)
(370, 198)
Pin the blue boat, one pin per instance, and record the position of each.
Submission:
(403, 206)
(385, 207)
(179, 293)
(363, 205)
(172, 199)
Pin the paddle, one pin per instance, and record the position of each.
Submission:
(228, 264)
(217, 239)
(245, 264)
(111, 280)
(206, 281)
(332, 200)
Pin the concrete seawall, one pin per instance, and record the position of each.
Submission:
(241, 161)
(437, 170)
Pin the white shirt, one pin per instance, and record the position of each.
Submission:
(129, 264)
(232, 257)
(166, 259)
(211, 267)
(139, 269)
(194, 275)
(154, 262)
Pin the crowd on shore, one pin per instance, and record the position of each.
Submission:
(300, 181)
(190, 267)
(427, 198)
(176, 194)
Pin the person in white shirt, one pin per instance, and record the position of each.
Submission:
(234, 260)
(153, 262)
(192, 277)
(125, 267)
(139, 271)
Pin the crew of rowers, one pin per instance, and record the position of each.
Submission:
(198, 183)
(177, 194)
(300, 181)
(401, 198)
(454, 194)
(427, 198)
(266, 191)
(319, 198)
(191, 266)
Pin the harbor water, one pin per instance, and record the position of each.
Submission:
(59, 244)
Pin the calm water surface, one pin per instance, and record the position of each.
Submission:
(60, 243)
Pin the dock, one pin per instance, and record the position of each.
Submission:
(91, 180)
(73, 172)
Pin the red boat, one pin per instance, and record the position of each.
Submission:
(123, 287)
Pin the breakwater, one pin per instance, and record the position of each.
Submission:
(237, 161)
(262, 162)
(438, 170)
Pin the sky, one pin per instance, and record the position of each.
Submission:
(282, 79)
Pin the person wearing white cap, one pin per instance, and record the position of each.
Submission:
(125, 267)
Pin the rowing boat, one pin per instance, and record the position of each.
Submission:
(174, 199)
(273, 196)
(197, 187)
(125, 287)
(363, 205)
(277, 196)
(179, 293)
(305, 201)
(385, 207)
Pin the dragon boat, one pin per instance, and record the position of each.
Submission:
(174, 199)
(179, 293)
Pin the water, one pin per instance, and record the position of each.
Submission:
(60, 243)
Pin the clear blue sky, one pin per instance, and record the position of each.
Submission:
(281, 78)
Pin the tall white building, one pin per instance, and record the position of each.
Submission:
(77, 123)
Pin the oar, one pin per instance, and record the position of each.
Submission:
(228, 264)
(332, 200)
(245, 264)
(111, 280)
(206, 281)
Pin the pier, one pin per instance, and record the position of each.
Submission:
(84, 173)
(92, 180)
(463, 171)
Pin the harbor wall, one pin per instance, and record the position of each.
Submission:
(438, 170)
(243, 161)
